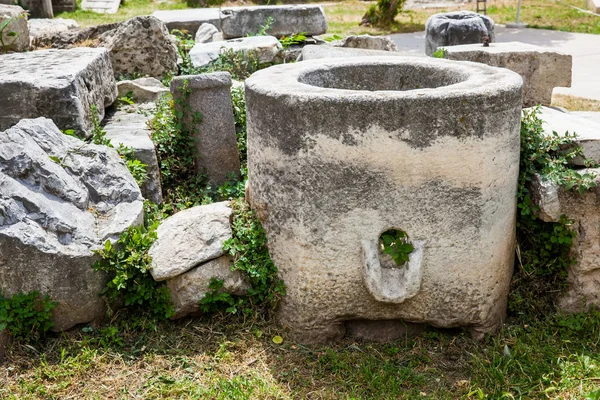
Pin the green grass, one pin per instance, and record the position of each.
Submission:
(229, 358)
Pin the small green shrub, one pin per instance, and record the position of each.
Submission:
(383, 13)
(128, 263)
(395, 243)
(238, 98)
(440, 53)
(543, 247)
(294, 39)
(26, 316)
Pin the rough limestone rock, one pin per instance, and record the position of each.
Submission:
(265, 48)
(143, 90)
(587, 130)
(583, 276)
(189, 19)
(342, 150)
(58, 84)
(60, 199)
(131, 130)
(367, 42)
(239, 22)
(188, 289)
(313, 52)
(18, 24)
(215, 137)
(47, 27)
(208, 33)
(142, 45)
(455, 28)
(542, 69)
(190, 238)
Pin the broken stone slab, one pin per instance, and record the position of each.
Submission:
(287, 20)
(187, 290)
(456, 28)
(64, 5)
(141, 45)
(189, 238)
(265, 48)
(367, 42)
(131, 130)
(542, 69)
(18, 24)
(47, 27)
(60, 199)
(587, 131)
(143, 90)
(554, 201)
(58, 84)
(189, 20)
(208, 33)
(215, 136)
(312, 52)
(101, 6)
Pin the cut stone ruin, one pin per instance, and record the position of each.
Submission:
(542, 69)
(455, 28)
(60, 199)
(554, 201)
(215, 138)
(342, 150)
(59, 84)
(265, 48)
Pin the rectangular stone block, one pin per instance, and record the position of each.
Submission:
(63, 5)
(62, 85)
(542, 69)
(216, 143)
(287, 20)
(189, 20)
(131, 130)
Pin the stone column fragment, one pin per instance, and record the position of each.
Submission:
(216, 143)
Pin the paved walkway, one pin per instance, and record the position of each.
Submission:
(584, 48)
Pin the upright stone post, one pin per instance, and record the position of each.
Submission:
(214, 135)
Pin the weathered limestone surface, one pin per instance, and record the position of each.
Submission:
(131, 130)
(46, 27)
(63, 5)
(38, 8)
(542, 69)
(342, 150)
(216, 143)
(18, 25)
(60, 198)
(288, 19)
(367, 42)
(58, 84)
(188, 289)
(189, 19)
(190, 238)
(587, 130)
(208, 33)
(313, 52)
(584, 276)
(101, 6)
(142, 89)
(142, 45)
(266, 48)
(456, 28)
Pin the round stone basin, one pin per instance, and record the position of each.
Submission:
(342, 150)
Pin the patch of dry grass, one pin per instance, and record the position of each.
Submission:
(573, 103)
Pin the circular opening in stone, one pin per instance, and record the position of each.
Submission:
(394, 248)
(392, 77)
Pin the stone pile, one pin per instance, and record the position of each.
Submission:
(189, 254)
